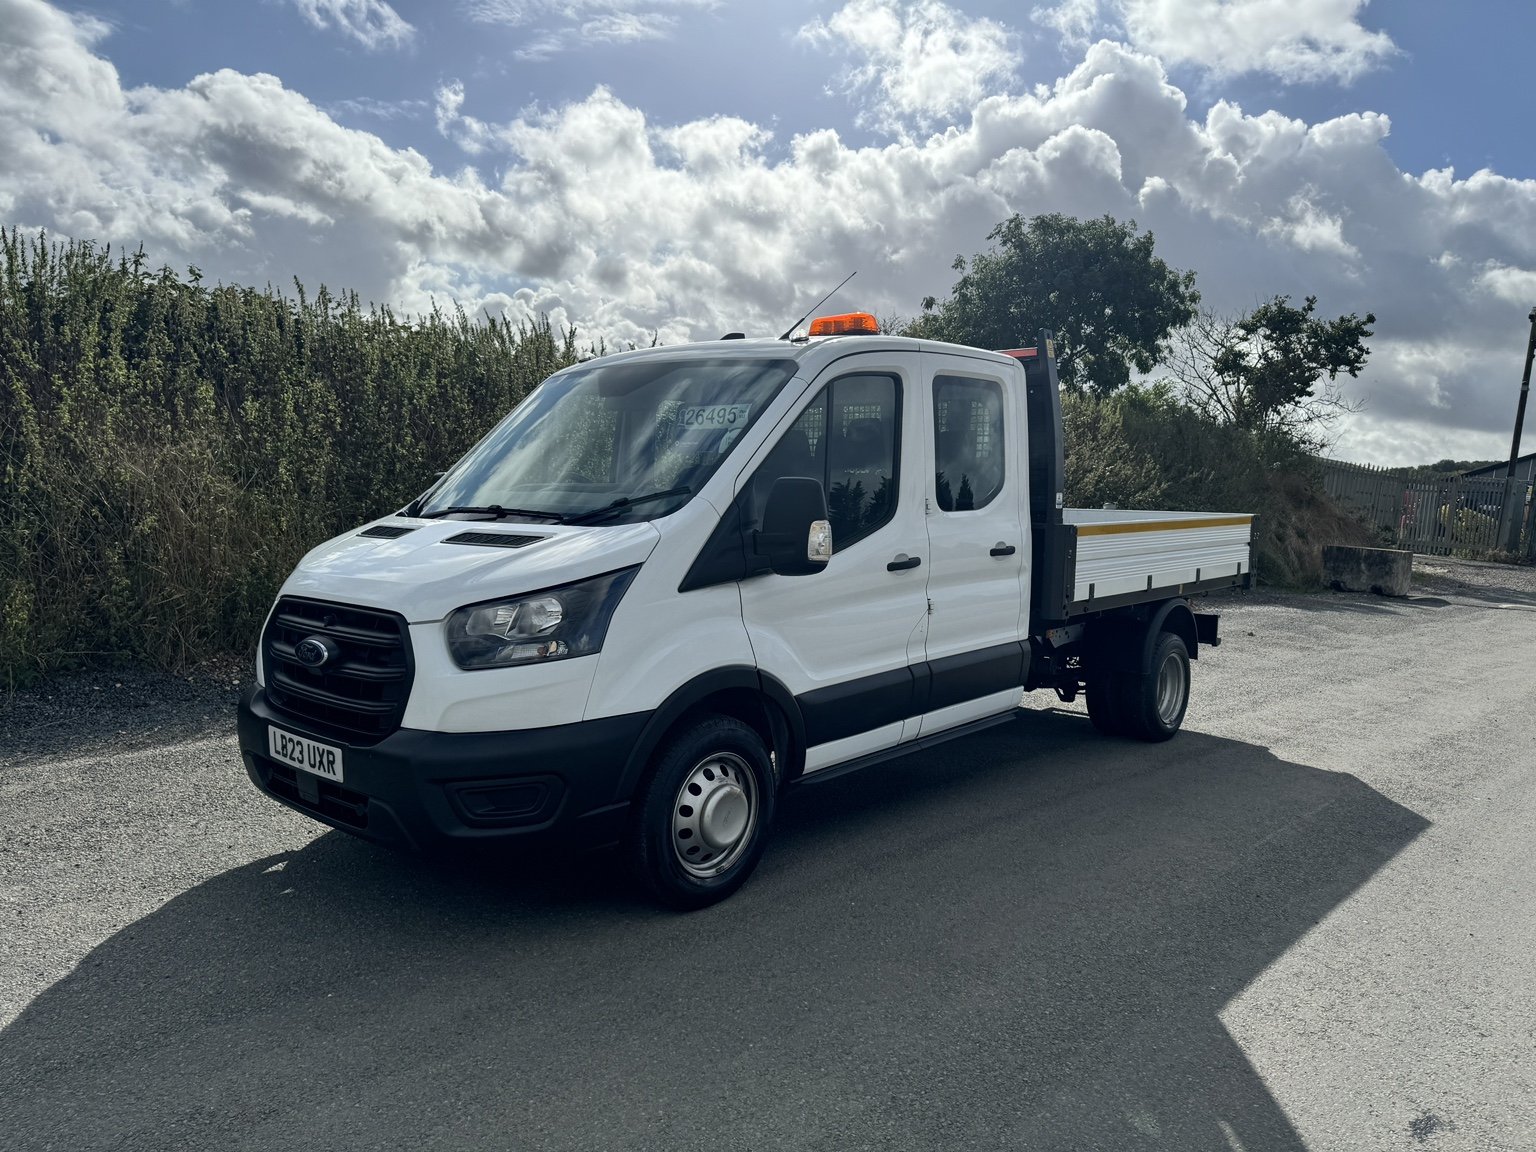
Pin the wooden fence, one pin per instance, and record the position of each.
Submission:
(1440, 516)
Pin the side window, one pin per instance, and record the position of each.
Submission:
(847, 438)
(968, 442)
(863, 432)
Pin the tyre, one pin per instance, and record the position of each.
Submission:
(1152, 706)
(702, 814)
(1103, 697)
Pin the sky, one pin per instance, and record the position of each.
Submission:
(676, 169)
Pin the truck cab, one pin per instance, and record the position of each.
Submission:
(674, 582)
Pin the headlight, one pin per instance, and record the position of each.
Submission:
(555, 624)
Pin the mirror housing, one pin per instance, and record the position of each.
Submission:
(796, 536)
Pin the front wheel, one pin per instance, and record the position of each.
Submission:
(703, 813)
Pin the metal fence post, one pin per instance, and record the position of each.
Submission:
(1530, 521)
(1525, 390)
(1511, 515)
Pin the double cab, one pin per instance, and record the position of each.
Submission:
(674, 582)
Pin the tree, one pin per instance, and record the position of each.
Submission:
(1095, 283)
(1261, 371)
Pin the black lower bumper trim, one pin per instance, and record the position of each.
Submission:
(425, 791)
(308, 792)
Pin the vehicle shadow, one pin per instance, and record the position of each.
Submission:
(1021, 939)
(1365, 603)
(1369, 603)
(1491, 595)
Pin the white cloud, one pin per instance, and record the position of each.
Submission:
(1512, 285)
(623, 28)
(378, 109)
(1313, 229)
(1075, 21)
(556, 26)
(598, 216)
(917, 62)
(470, 134)
(372, 23)
(1294, 40)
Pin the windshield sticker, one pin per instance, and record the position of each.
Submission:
(714, 415)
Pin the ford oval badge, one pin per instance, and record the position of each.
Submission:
(313, 651)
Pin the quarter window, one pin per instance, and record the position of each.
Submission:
(968, 442)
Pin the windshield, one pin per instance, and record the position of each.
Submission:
(593, 439)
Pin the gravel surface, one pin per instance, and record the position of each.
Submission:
(1309, 921)
(1472, 577)
(121, 710)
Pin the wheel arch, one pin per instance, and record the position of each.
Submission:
(741, 691)
(1124, 642)
(1174, 616)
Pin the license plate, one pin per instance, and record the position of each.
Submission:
(305, 754)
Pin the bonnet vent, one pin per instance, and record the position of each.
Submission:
(386, 531)
(493, 539)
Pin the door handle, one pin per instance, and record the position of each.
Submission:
(1001, 549)
(903, 562)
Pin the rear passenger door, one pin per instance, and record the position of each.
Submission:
(977, 539)
(844, 640)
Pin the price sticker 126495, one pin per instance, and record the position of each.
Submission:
(714, 415)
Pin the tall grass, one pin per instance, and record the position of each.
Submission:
(168, 449)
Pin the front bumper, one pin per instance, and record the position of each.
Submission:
(551, 787)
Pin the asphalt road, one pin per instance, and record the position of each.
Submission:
(1307, 922)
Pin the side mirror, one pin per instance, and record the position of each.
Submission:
(796, 537)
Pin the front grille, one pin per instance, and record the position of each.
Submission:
(323, 796)
(359, 693)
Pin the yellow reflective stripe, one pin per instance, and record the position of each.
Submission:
(1161, 525)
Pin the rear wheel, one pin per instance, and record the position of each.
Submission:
(703, 813)
(1103, 696)
(1152, 705)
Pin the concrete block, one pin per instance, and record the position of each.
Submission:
(1385, 571)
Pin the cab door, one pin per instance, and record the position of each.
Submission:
(848, 641)
(973, 421)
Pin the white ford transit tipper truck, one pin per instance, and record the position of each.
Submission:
(674, 582)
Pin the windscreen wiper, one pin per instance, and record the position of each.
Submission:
(494, 510)
(625, 502)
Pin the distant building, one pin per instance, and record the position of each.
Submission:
(1525, 469)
